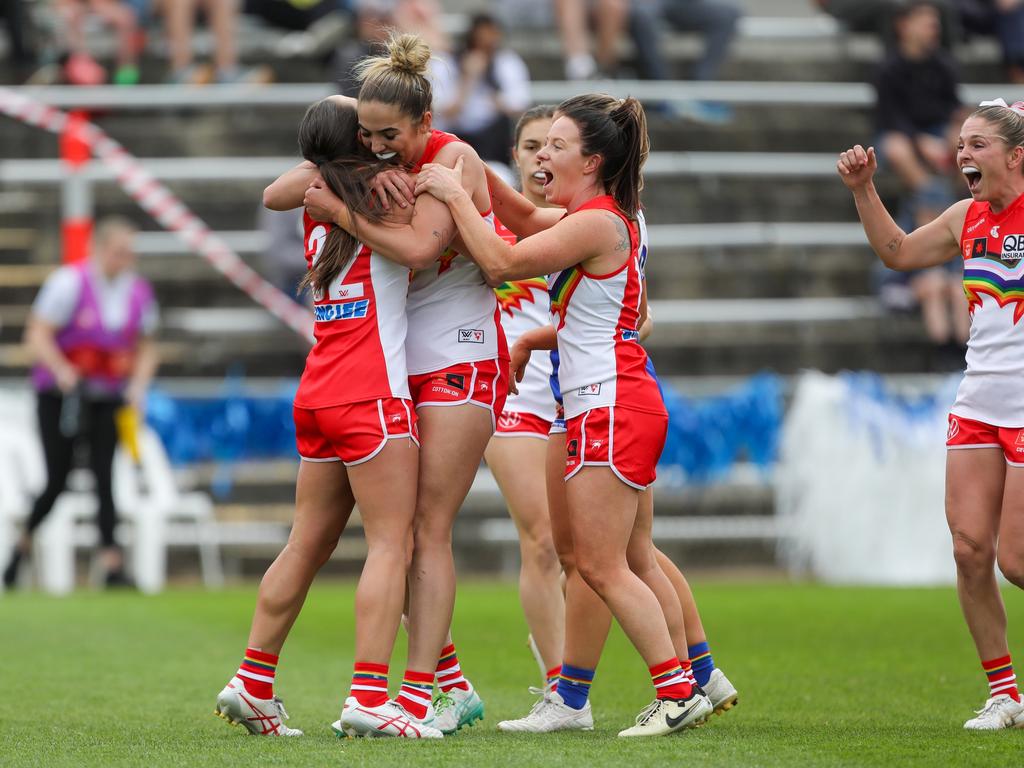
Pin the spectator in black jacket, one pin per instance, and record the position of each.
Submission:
(918, 119)
(918, 109)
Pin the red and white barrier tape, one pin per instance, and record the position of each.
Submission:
(167, 209)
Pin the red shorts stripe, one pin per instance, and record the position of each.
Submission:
(628, 442)
(484, 383)
(968, 433)
(352, 433)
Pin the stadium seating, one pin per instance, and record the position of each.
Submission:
(758, 259)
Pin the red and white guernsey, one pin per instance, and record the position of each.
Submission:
(453, 314)
(524, 306)
(360, 329)
(601, 362)
(992, 244)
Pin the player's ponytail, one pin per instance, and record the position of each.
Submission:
(328, 137)
(398, 76)
(616, 129)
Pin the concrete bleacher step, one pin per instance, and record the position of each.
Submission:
(733, 519)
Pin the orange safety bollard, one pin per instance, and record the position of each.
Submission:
(76, 192)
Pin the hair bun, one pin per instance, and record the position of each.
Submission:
(409, 53)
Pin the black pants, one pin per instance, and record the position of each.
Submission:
(98, 431)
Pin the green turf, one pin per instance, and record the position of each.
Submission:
(826, 677)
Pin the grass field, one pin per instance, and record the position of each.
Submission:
(827, 676)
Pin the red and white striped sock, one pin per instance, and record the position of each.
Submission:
(670, 681)
(1001, 678)
(257, 671)
(449, 673)
(369, 684)
(552, 676)
(688, 671)
(415, 693)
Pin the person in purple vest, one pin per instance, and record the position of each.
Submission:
(90, 333)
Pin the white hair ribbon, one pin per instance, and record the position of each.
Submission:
(1017, 106)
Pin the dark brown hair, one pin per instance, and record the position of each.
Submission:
(616, 129)
(398, 76)
(540, 112)
(329, 138)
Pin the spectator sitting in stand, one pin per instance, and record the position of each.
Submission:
(222, 16)
(918, 117)
(315, 26)
(80, 67)
(610, 18)
(23, 55)
(491, 91)
(373, 19)
(716, 22)
(1005, 20)
(877, 17)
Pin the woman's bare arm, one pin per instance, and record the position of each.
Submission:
(287, 190)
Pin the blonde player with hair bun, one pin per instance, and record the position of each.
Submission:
(457, 360)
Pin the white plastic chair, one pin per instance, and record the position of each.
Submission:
(146, 496)
(163, 516)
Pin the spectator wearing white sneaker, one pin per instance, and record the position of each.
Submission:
(985, 440)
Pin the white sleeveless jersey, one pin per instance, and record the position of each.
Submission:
(524, 306)
(453, 315)
(992, 390)
(601, 362)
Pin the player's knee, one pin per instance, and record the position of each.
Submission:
(598, 577)
(313, 551)
(1012, 567)
(972, 558)
(538, 553)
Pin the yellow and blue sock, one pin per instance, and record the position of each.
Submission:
(574, 685)
(702, 662)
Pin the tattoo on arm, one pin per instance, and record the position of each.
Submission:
(894, 244)
(623, 231)
(442, 241)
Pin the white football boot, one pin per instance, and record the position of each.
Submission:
(664, 716)
(261, 717)
(999, 712)
(549, 714)
(457, 708)
(721, 692)
(387, 719)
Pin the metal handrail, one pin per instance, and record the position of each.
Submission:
(659, 164)
(807, 94)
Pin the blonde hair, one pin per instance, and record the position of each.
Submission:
(110, 226)
(1007, 121)
(398, 76)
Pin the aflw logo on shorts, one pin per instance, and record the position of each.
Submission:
(471, 336)
(347, 310)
